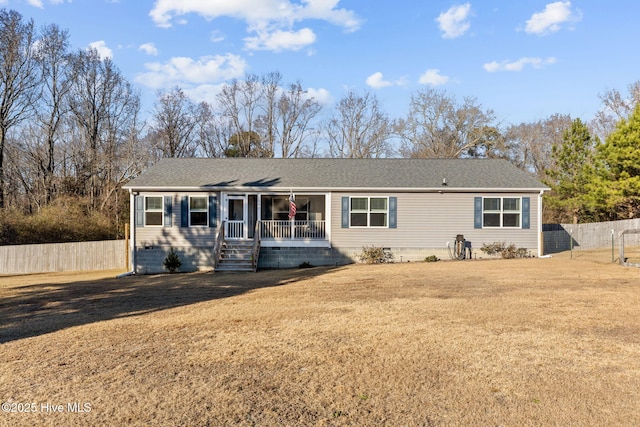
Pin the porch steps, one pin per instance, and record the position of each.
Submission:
(235, 256)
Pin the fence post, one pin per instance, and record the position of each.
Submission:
(571, 242)
(126, 246)
(612, 252)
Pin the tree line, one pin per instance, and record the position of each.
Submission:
(72, 133)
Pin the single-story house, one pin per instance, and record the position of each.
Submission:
(217, 213)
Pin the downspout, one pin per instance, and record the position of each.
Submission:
(132, 240)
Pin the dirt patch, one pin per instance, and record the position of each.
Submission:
(493, 342)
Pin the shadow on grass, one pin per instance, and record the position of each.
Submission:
(37, 309)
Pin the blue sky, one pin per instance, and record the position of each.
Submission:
(525, 60)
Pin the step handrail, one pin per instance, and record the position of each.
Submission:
(218, 246)
(255, 252)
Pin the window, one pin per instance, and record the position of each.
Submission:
(501, 212)
(198, 211)
(153, 210)
(368, 211)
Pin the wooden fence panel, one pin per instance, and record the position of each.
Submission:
(596, 235)
(58, 257)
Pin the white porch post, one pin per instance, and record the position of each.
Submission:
(132, 227)
(291, 222)
(327, 216)
(245, 217)
(259, 212)
(540, 235)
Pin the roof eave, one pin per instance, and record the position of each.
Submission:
(442, 189)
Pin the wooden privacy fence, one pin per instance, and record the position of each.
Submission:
(595, 235)
(55, 257)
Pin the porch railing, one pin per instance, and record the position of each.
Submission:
(235, 229)
(284, 229)
(218, 246)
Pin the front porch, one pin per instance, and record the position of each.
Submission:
(244, 215)
(251, 222)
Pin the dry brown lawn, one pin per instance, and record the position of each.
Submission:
(530, 342)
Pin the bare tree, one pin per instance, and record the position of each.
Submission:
(103, 104)
(359, 128)
(52, 54)
(295, 112)
(530, 145)
(271, 83)
(240, 103)
(438, 127)
(18, 78)
(175, 122)
(615, 107)
(213, 132)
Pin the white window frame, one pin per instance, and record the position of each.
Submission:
(206, 209)
(161, 210)
(502, 211)
(369, 211)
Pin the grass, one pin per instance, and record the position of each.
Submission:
(485, 342)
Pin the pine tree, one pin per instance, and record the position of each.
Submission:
(616, 190)
(570, 179)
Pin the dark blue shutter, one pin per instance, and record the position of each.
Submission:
(167, 211)
(184, 211)
(139, 211)
(393, 212)
(526, 209)
(477, 212)
(345, 212)
(213, 211)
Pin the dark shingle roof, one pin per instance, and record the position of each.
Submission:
(322, 174)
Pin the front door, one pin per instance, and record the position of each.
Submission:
(236, 217)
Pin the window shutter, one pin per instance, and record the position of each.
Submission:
(213, 211)
(526, 209)
(167, 211)
(477, 212)
(184, 211)
(345, 212)
(139, 211)
(393, 212)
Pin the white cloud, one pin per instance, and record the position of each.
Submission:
(37, 3)
(149, 49)
(187, 72)
(216, 36)
(454, 22)
(377, 81)
(205, 93)
(256, 11)
(433, 77)
(281, 40)
(272, 20)
(517, 65)
(101, 47)
(551, 18)
(320, 95)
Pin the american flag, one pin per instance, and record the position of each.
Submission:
(292, 206)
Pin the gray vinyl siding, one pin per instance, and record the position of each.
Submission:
(430, 220)
(177, 236)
